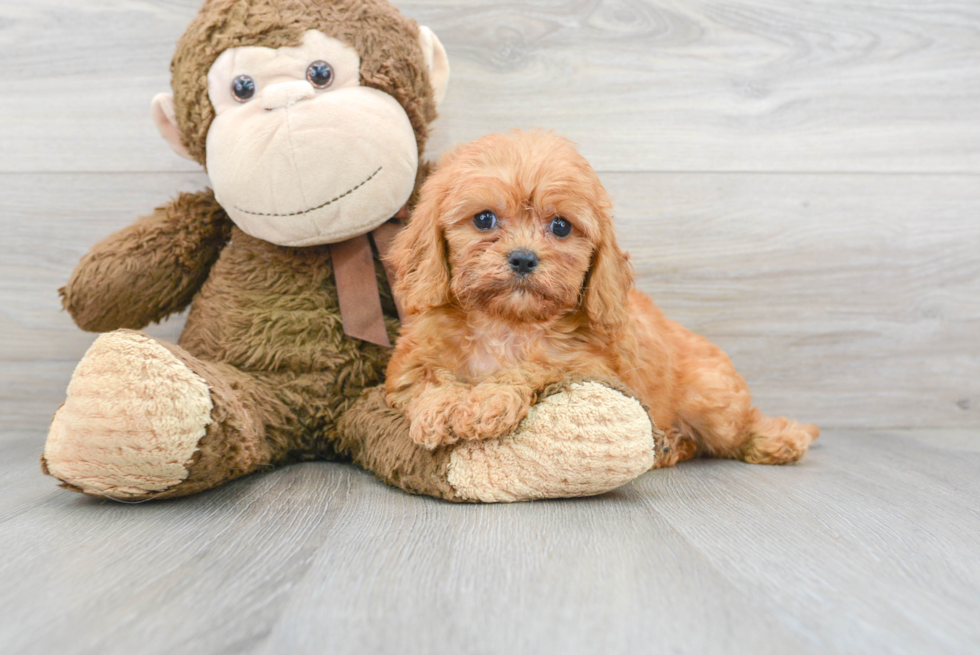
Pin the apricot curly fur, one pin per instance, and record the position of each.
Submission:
(482, 339)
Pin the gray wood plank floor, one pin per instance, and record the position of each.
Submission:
(869, 546)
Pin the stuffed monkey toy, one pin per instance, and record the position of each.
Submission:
(311, 117)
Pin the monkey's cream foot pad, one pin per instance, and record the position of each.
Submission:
(584, 441)
(133, 419)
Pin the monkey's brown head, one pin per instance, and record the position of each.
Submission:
(311, 116)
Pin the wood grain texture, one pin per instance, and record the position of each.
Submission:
(844, 300)
(850, 301)
(49, 222)
(869, 545)
(643, 85)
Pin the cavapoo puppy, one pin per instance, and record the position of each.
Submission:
(511, 277)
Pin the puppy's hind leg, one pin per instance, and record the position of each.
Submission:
(717, 408)
(678, 446)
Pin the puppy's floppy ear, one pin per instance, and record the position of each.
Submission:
(608, 284)
(419, 254)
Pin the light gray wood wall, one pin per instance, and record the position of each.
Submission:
(799, 181)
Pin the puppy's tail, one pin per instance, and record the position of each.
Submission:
(777, 440)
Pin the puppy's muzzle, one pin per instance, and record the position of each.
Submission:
(523, 262)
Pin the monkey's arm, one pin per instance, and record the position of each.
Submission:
(149, 270)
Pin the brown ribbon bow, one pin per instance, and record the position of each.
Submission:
(357, 285)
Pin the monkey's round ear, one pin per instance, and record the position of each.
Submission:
(165, 119)
(437, 61)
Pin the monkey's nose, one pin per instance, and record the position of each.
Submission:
(523, 261)
(284, 94)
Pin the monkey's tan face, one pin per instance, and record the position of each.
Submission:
(300, 153)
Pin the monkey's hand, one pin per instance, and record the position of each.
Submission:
(150, 269)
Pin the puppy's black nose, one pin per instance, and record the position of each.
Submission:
(523, 261)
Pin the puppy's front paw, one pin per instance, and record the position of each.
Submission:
(431, 435)
(429, 417)
(431, 431)
(585, 440)
(490, 411)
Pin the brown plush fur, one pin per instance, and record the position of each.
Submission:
(376, 437)
(264, 330)
(482, 339)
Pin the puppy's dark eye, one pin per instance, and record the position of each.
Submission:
(485, 221)
(243, 88)
(320, 74)
(561, 228)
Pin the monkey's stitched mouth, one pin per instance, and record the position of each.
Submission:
(326, 204)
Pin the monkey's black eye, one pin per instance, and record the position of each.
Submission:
(485, 221)
(561, 228)
(320, 74)
(243, 88)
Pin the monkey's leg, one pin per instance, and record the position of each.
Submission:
(144, 419)
(582, 439)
